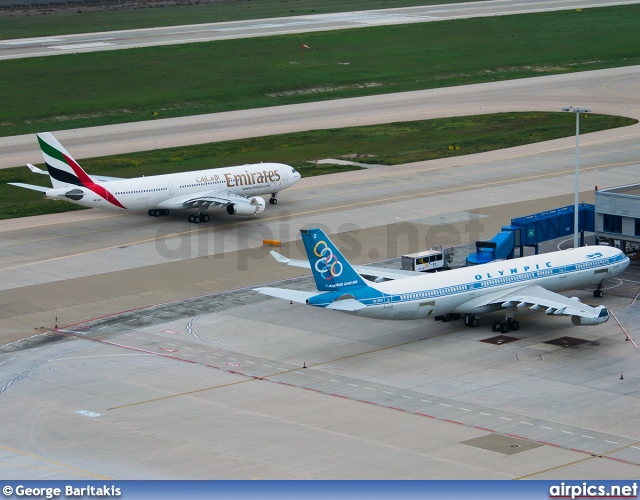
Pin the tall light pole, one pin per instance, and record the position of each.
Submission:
(577, 111)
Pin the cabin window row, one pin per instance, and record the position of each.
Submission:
(142, 191)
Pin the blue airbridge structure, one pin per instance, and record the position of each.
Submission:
(531, 230)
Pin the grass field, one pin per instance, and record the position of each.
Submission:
(81, 90)
(81, 20)
(388, 144)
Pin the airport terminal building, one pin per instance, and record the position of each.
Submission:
(617, 215)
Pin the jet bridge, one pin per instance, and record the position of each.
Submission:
(532, 230)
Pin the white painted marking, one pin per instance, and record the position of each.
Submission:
(316, 376)
(282, 369)
(143, 338)
(526, 423)
(567, 432)
(464, 409)
(387, 392)
(250, 362)
(354, 385)
(268, 366)
(588, 437)
(38, 40)
(550, 428)
(200, 350)
(88, 413)
(103, 327)
(408, 397)
(335, 381)
(612, 442)
(130, 320)
(371, 388)
(425, 401)
(487, 414)
(505, 418)
(300, 373)
(635, 447)
(442, 404)
(80, 46)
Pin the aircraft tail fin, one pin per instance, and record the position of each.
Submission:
(331, 270)
(63, 169)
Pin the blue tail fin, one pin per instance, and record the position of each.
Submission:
(330, 269)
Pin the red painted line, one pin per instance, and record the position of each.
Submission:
(340, 396)
(452, 421)
(394, 408)
(314, 390)
(581, 451)
(368, 402)
(284, 383)
(483, 428)
(425, 415)
(614, 458)
(255, 377)
(516, 436)
(550, 444)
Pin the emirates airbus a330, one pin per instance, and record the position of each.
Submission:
(235, 188)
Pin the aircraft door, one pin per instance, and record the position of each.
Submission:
(559, 265)
(169, 187)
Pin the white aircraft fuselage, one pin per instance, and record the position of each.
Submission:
(143, 193)
(463, 290)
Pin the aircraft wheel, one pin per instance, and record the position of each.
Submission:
(598, 293)
(157, 213)
(514, 325)
(191, 218)
(475, 322)
(196, 219)
(205, 218)
(446, 317)
(504, 327)
(150, 213)
(495, 326)
(165, 212)
(273, 201)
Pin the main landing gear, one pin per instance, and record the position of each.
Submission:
(274, 199)
(158, 213)
(598, 293)
(509, 324)
(198, 218)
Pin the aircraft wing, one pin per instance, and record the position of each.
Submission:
(205, 199)
(381, 272)
(94, 178)
(536, 298)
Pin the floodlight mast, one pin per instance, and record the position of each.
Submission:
(577, 111)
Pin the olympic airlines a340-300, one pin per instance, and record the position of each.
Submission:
(236, 188)
(470, 291)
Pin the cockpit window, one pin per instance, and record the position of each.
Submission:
(293, 170)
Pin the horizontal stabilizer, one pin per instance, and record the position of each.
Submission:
(380, 272)
(299, 296)
(37, 170)
(348, 305)
(30, 186)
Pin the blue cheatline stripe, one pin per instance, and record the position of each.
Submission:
(499, 281)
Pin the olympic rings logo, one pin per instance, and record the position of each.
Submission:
(327, 261)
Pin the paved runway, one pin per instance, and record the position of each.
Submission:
(171, 35)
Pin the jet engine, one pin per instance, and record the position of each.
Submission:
(581, 321)
(255, 207)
